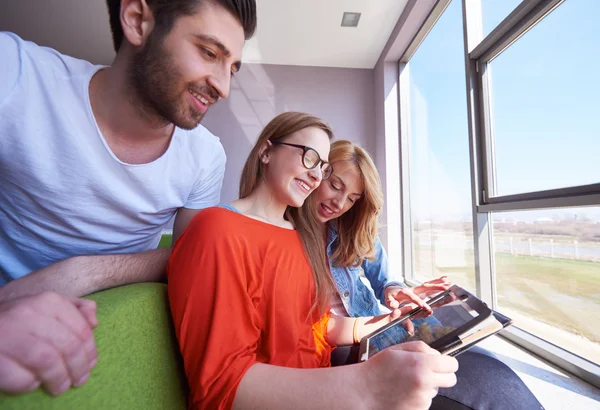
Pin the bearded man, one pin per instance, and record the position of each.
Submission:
(95, 160)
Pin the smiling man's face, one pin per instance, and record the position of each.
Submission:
(177, 77)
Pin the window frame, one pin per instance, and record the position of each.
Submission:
(479, 51)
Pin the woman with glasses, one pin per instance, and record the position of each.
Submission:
(249, 290)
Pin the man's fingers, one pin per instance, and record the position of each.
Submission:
(68, 313)
(88, 309)
(76, 354)
(42, 359)
(80, 358)
(69, 332)
(15, 378)
(80, 317)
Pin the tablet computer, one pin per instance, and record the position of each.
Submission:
(457, 315)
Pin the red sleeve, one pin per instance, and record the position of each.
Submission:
(213, 297)
(321, 343)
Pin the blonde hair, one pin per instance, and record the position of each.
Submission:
(311, 233)
(357, 228)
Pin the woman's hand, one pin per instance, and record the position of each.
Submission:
(406, 376)
(395, 295)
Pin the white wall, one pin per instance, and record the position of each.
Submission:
(341, 96)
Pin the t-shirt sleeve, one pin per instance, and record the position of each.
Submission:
(214, 310)
(10, 63)
(207, 190)
(322, 345)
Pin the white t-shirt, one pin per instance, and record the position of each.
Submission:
(62, 190)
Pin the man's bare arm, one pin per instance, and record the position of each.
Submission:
(82, 275)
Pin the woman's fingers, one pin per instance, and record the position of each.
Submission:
(417, 347)
(397, 297)
(409, 326)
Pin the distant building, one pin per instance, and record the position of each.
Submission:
(543, 221)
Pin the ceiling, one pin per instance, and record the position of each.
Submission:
(291, 32)
(309, 32)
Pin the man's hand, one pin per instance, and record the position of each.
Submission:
(407, 376)
(46, 340)
(395, 295)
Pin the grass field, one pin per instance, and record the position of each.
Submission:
(165, 241)
(561, 293)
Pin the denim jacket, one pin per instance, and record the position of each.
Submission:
(357, 298)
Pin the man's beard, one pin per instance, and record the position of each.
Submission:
(155, 84)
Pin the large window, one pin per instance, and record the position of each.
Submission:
(545, 91)
(503, 174)
(548, 275)
(440, 198)
(542, 135)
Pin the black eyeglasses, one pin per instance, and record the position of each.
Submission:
(311, 159)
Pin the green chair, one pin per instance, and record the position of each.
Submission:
(139, 366)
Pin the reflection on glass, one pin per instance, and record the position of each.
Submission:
(440, 196)
(548, 275)
(544, 103)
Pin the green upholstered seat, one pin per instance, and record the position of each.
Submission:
(139, 366)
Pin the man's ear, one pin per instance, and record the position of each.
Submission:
(265, 152)
(137, 21)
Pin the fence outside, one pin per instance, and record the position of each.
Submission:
(514, 244)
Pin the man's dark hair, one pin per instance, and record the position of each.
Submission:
(166, 11)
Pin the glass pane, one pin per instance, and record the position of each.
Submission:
(494, 11)
(548, 275)
(440, 187)
(545, 91)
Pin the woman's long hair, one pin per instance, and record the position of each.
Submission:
(311, 233)
(357, 228)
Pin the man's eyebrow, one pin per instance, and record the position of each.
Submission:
(214, 41)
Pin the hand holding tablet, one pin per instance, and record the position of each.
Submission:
(459, 320)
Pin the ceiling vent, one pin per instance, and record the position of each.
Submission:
(350, 19)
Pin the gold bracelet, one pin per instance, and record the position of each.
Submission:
(355, 332)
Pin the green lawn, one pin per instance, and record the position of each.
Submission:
(576, 278)
(165, 241)
(562, 293)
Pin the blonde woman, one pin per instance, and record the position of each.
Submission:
(347, 206)
(249, 289)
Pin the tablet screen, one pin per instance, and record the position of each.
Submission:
(449, 314)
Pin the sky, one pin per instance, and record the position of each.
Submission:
(545, 110)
